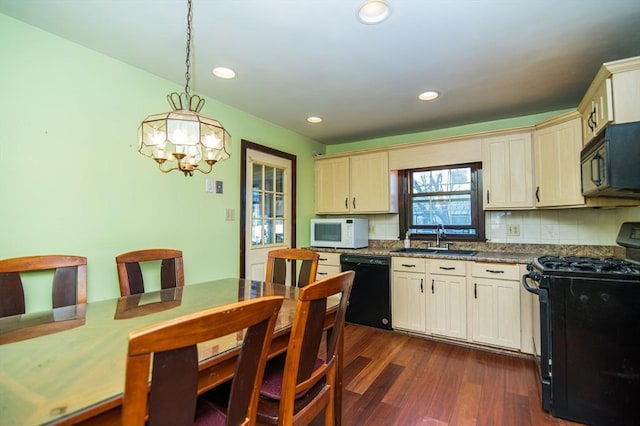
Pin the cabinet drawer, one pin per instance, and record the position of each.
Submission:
(500, 271)
(325, 271)
(408, 264)
(447, 267)
(329, 259)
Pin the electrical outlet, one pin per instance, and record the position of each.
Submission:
(513, 230)
(230, 214)
(372, 228)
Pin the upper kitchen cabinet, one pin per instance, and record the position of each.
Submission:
(360, 183)
(556, 147)
(612, 97)
(507, 172)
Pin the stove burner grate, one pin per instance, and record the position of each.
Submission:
(588, 264)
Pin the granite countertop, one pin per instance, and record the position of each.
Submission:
(480, 256)
(486, 252)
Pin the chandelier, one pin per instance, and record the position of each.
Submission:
(183, 139)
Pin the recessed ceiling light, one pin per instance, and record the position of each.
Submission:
(315, 120)
(374, 11)
(428, 95)
(224, 72)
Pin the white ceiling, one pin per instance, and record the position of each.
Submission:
(489, 59)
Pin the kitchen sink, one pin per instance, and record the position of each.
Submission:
(412, 250)
(443, 252)
(455, 252)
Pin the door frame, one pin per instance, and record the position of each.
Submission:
(247, 145)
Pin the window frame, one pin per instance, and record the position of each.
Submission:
(477, 211)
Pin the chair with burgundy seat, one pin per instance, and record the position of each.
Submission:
(130, 273)
(69, 281)
(281, 260)
(299, 384)
(171, 397)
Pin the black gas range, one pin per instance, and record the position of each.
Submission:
(589, 333)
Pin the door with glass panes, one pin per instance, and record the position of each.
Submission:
(268, 212)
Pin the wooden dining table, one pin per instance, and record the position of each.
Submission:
(67, 365)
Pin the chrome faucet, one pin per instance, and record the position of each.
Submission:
(440, 233)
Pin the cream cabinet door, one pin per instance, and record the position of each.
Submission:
(599, 111)
(332, 185)
(507, 172)
(557, 164)
(370, 183)
(448, 306)
(409, 301)
(496, 312)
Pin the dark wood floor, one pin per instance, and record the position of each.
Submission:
(395, 379)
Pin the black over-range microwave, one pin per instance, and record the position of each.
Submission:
(611, 162)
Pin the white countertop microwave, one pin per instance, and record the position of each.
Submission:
(340, 232)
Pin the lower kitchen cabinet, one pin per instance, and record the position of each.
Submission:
(329, 264)
(495, 290)
(409, 301)
(448, 298)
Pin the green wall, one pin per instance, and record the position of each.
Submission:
(486, 126)
(72, 181)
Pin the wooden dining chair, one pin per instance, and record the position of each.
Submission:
(130, 273)
(298, 385)
(171, 397)
(69, 281)
(282, 260)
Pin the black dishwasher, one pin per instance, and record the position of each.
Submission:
(370, 300)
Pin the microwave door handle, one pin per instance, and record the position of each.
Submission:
(596, 158)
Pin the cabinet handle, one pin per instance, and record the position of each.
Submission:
(538, 194)
(494, 271)
(590, 122)
(475, 290)
(421, 288)
(408, 266)
(322, 273)
(594, 113)
(354, 202)
(322, 259)
(487, 196)
(597, 158)
(346, 203)
(432, 284)
(449, 268)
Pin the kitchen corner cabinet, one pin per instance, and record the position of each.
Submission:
(409, 294)
(507, 172)
(359, 183)
(612, 97)
(329, 264)
(448, 298)
(556, 147)
(495, 290)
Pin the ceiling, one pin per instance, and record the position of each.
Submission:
(489, 59)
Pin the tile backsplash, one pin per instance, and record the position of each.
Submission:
(584, 226)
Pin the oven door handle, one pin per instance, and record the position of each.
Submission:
(526, 286)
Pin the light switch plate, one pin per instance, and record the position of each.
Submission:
(218, 187)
